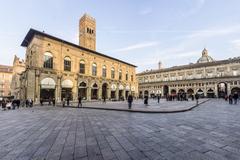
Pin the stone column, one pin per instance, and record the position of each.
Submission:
(117, 94)
(37, 88)
(75, 90)
(88, 93)
(216, 89)
(99, 93)
(58, 89)
(229, 88)
(108, 92)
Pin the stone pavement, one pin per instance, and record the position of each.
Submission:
(138, 106)
(209, 132)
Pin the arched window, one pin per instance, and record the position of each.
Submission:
(82, 67)
(127, 76)
(94, 69)
(112, 73)
(104, 71)
(48, 60)
(67, 64)
(120, 74)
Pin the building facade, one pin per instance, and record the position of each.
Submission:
(207, 77)
(59, 69)
(17, 69)
(5, 80)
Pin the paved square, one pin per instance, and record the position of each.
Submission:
(211, 131)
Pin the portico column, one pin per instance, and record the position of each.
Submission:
(216, 89)
(89, 93)
(37, 90)
(58, 90)
(229, 88)
(75, 90)
(108, 92)
(117, 94)
(99, 92)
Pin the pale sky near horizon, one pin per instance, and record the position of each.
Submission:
(141, 32)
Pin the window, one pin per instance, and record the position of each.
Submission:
(104, 71)
(112, 73)
(48, 60)
(67, 64)
(120, 74)
(234, 73)
(131, 77)
(94, 69)
(127, 76)
(82, 67)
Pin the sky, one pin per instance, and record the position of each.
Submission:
(141, 32)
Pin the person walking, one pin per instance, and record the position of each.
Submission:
(27, 103)
(230, 99)
(41, 101)
(130, 100)
(196, 97)
(235, 97)
(104, 99)
(53, 101)
(68, 99)
(63, 102)
(146, 100)
(158, 98)
(79, 101)
(4, 104)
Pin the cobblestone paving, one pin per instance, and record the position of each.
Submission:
(209, 132)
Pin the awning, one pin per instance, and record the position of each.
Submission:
(48, 83)
(121, 87)
(113, 87)
(127, 88)
(67, 84)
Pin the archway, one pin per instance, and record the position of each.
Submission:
(152, 94)
(200, 93)
(173, 92)
(67, 86)
(94, 92)
(127, 91)
(222, 89)
(140, 94)
(236, 90)
(165, 90)
(47, 91)
(104, 91)
(190, 92)
(210, 93)
(82, 90)
(120, 92)
(181, 91)
(113, 91)
(145, 93)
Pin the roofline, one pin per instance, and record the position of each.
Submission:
(32, 32)
(190, 66)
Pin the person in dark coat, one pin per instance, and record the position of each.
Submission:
(230, 99)
(4, 104)
(79, 101)
(104, 99)
(235, 97)
(130, 100)
(41, 101)
(53, 101)
(146, 100)
(158, 98)
(196, 97)
(68, 99)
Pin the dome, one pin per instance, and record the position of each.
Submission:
(205, 57)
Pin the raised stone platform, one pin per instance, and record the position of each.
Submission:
(138, 106)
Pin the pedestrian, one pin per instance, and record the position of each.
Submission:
(53, 101)
(230, 99)
(146, 100)
(4, 104)
(196, 97)
(27, 103)
(68, 99)
(30, 102)
(104, 99)
(79, 101)
(130, 100)
(63, 102)
(41, 101)
(235, 97)
(158, 98)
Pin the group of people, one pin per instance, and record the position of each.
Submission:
(51, 101)
(232, 98)
(8, 104)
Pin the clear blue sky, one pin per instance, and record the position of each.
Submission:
(141, 32)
